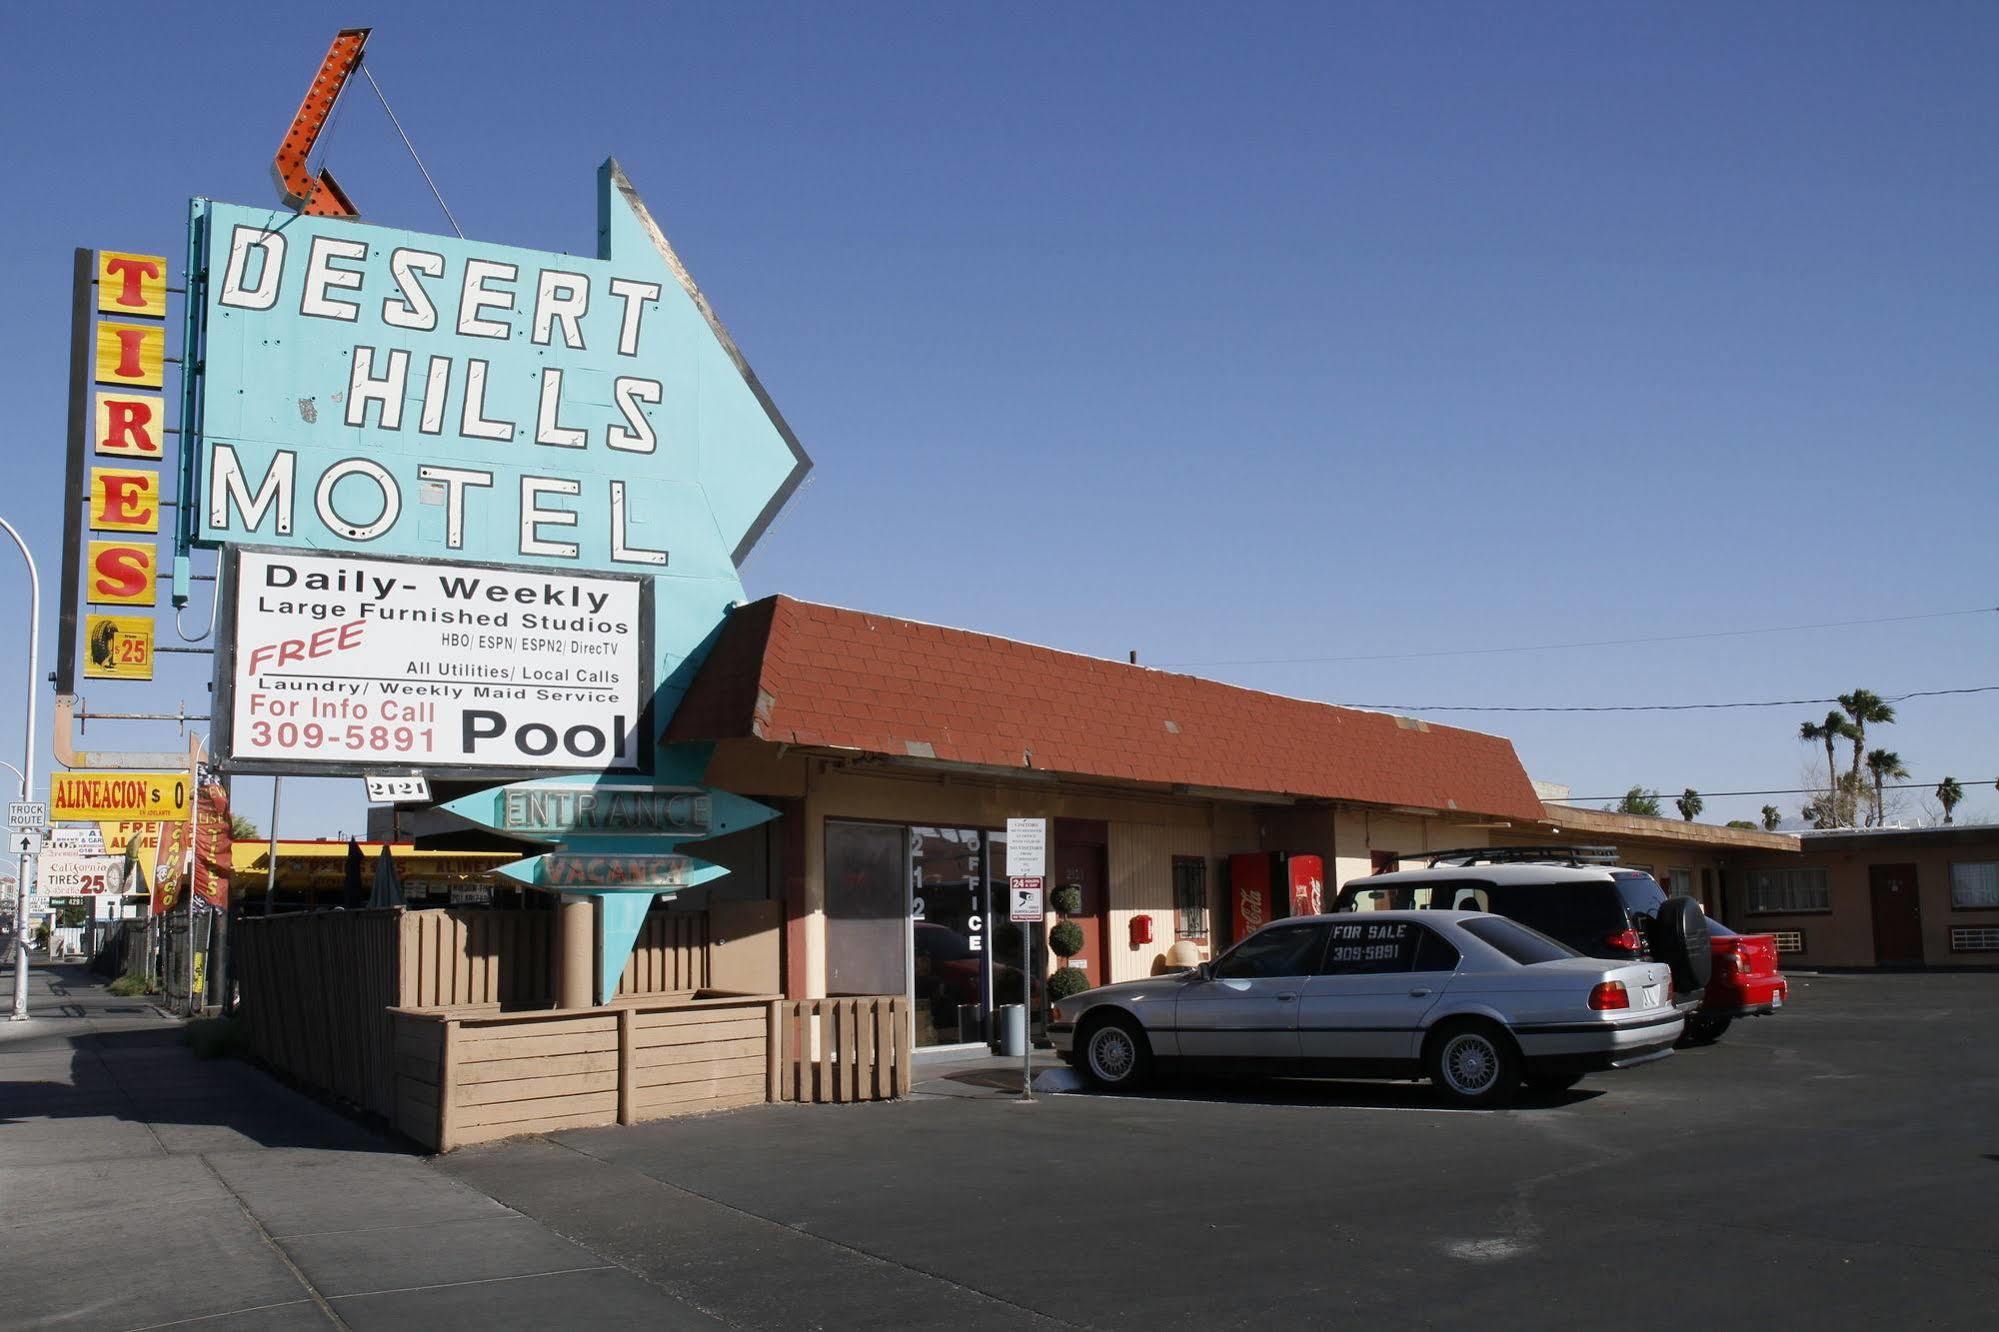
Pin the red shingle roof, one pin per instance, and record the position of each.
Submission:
(798, 673)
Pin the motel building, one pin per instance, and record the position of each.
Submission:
(895, 751)
(1881, 897)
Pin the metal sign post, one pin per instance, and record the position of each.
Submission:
(1026, 880)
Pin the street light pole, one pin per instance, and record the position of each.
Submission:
(27, 875)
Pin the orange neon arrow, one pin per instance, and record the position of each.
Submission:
(296, 186)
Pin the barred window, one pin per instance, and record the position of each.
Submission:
(1974, 885)
(1190, 897)
(1783, 891)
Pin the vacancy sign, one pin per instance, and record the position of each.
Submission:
(344, 663)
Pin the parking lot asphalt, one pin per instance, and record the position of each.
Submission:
(1835, 1164)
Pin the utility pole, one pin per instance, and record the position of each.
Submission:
(27, 875)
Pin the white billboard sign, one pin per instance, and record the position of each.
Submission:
(1026, 848)
(69, 873)
(344, 663)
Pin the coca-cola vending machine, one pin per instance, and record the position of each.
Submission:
(1269, 885)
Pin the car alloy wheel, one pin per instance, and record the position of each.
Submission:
(1470, 1063)
(1113, 1056)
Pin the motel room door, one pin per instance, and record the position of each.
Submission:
(1898, 914)
(1079, 862)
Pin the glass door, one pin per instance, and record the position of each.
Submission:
(909, 910)
(951, 984)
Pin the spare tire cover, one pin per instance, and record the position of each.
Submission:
(1683, 943)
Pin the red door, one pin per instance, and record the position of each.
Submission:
(1898, 914)
(1080, 863)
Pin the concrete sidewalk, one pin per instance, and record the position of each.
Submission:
(142, 1187)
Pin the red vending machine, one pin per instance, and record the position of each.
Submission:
(1269, 885)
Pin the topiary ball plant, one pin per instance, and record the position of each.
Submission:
(1066, 939)
(1066, 981)
(1067, 900)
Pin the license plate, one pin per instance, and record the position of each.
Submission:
(1776, 1001)
(1651, 996)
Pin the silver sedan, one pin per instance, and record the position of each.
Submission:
(1477, 1003)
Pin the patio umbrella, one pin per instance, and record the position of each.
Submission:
(350, 883)
(388, 884)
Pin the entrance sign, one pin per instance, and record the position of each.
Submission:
(564, 808)
(92, 797)
(1026, 848)
(1024, 899)
(27, 813)
(340, 662)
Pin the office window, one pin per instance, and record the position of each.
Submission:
(1974, 885)
(1190, 897)
(1781, 892)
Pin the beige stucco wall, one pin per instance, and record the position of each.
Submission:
(1140, 858)
(1145, 831)
(1358, 833)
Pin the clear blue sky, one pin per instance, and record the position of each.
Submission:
(1222, 333)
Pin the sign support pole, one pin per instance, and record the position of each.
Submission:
(271, 857)
(1027, 1014)
(27, 875)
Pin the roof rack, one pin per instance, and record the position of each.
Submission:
(1518, 855)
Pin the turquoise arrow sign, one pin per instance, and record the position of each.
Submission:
(397, 393)
(591, 806)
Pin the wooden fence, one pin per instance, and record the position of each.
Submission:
(423, 1017)
(316, 994)
(317, 986)
(840, 1049)
(465, 1076)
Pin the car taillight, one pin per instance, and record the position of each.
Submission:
(1609, 994)
(1625, 941)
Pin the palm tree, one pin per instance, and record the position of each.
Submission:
(1835, 727)
(1883, 764)
(1690, 804)
(1771, 818)
(1863, 706)
(1948, 794)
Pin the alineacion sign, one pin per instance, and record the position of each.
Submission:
(380, 392)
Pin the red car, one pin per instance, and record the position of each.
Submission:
(1745, 982)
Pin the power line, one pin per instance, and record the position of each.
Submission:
(412, 147)
(1564, 647)
(1795, 790)
(1410, 708)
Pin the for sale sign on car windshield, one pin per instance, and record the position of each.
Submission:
(343, 663)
